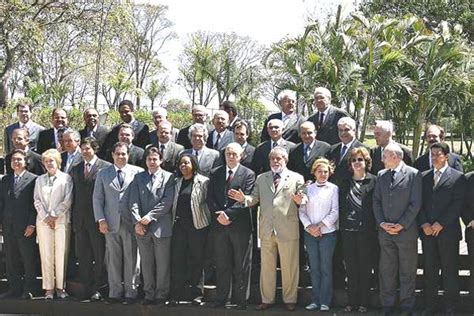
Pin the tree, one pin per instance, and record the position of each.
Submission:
(157, 89)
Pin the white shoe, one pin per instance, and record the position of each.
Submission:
(311, 307)
(324, 308)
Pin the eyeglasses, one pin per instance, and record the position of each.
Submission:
(357, 159)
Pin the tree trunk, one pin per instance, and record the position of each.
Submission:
(365, 122)
(4, 90)
(420, 120)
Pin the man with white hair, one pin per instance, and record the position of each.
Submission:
(383, 133)
(199, 113)
(397, 201)
(220, 136)
(327, 116)
(161, 115)
(72, 154)
(291, 120)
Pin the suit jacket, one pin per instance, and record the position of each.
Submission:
(45, 140)
(154, 202)
(400, 202)
(217, 199)
(170, 156)
(278, 212)
(34, 129)
(226, 138)
(291, 130)
(367, 214)
(154, 138)
(296, 159)
(423, 162)
(135, 156)
(468, 210)
(342, 171)
(110, 200)
(377, 163)
(141, 138)
(33, 163)
(328, 131)
(183, 138)
(75, 161)
(260, 163)
(16, 202)
(247, 156)
(444, 202)
(60, 200)
(208, 159)
(100, 134)
(82, 209)
(199, 209)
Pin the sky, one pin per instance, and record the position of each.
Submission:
(265, 21)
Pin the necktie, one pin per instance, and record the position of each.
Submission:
(321, 119)
(152, 180)
(276, 180)
(90, 133)
(436, 178)
(285, 120)
(196, 153)
(17, 179)
(274, 144)
(162, 149)
(217, 141)
(120, 177)
(343, 151)
(307, 150)
(230, 176)
(87, 169)
(70, 157)
(392, 176)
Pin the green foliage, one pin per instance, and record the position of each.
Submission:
(254, 112)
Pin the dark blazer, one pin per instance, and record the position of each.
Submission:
(135, 156)
(443, 203)
(367, 215)
(170, 156)
(422, 163)
(100, 134)
(217, 199)
(468, 210)
(247, 156)
(45, 140)
(400, 202)
(341, 171)
(77, 160)
(16, 204)
(82, 214)
(296, 159)
(290, 132)
(377, 163)
(141, 138)
(328, 131)
(33, 163)
(183, 138)
(226, 139)
(34, 131)
(260, 163)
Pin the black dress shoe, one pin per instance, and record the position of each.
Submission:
(128, 301)
(96, 297)
(26, 295)
(173, 303)
(10, 294)
(148, 302)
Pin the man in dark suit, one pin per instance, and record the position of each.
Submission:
(161, 115)
(199, 113)
(92, 127)
(169, 150)
(260, 163)
(468, 219)
(141, 136)
(303, 156)
(23, 112)
(231, 109)
(20, 140)
(49, 138)
(71, 155)
(443, 193)
(18, 218)
(397, 201)
(339, 153)
(232, 227)
(90, 243)
(327, 116)
(435, 134)
(241, 134)
(220, 136)
(135, 153)
(291, 120)
(383, 134)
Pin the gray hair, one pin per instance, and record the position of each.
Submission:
(290, 93)
(386, 126)
(307, 124)
(279, 150)
(166, 123)
(280, 122)
(161, 111)
(221, 113)
(75, 134)
(394, 148)
(199, 108)
(235, 146)
(347, 121)
(198, 127)
(323, 91)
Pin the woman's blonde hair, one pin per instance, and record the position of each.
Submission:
(322, 162)
(52, 153)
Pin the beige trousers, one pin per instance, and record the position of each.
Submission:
(289, 257)
(54, 249)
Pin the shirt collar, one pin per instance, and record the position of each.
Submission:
(443, 169)
(92, 162)
(233, 169)
(21, 174)
(348, 145)
(399, 167)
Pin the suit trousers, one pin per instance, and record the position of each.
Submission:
(155, 256)
(398, 257)
(470, 249)
(358, 249)
(20, 256)
(90, 250)
(121, 262)
(233, 250)
(187, 258)
(53, 246)
(440, 252)
(288, 251)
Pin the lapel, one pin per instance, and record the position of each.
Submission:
(291, 122)
(269, 180)
(24, 180)
(237, 176)
(398, 176)
(444, 177)
(169, 150)
(285, 177)
(114, 183)
(328, 118)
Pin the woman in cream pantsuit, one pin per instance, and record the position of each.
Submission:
(52, 199)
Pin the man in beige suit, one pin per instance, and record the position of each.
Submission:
(279, 230)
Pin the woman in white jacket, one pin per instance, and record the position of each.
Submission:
(52, 199)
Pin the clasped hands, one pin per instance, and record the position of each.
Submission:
(432, 230)
(50, 221)
(314, 230)
(392, 228)
(140, 226)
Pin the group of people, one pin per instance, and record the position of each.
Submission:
(157, 208)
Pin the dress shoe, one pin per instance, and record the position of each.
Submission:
(198, 301)
(311, 307)
(173, 303)
(96, 297)
(290, 307)
(62, 294)
(147, 301)
(263, 306)
(128, 301)
(27, 295)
